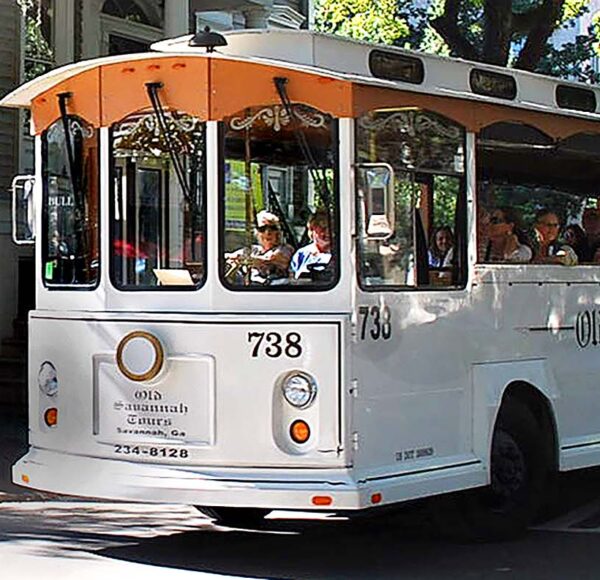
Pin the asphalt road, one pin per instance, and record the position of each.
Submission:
(41, 537)
(53, 540)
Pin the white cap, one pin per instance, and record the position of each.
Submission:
(266, 218)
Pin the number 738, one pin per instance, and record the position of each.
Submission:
(274, 344)
(378, 321)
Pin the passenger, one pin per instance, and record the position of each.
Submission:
(508, 241)
(269, 259)
(549, 250)
(575, 237)
(591, 225)
(317, 254)
(441, 248)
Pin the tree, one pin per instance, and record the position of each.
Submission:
(378, 21)
(502, 32)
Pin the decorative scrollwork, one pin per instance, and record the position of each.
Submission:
(143, 134)
(411, 123)
(278, 117)
(76, 127)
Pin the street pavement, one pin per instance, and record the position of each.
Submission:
(50, 537)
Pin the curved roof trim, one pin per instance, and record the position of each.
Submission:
(23, 96)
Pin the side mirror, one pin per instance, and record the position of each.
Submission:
(23, 210)
(375, 182)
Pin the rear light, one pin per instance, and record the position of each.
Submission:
(321, 500)
(51, 417)
(300, 431)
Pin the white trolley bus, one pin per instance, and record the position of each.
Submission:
(162, 369)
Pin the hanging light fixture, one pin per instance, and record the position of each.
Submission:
(209, 39)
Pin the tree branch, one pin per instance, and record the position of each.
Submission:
(539, 33)
(447, 27)
(498, 31)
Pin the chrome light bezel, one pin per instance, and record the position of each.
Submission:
(48, 379)
(310, 382)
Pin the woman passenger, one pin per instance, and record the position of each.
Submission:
(507, 238)
(576, 238)
(441, 248)
(270, 258)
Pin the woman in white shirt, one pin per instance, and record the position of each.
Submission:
(507, 238)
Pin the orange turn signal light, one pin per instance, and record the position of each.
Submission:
(51, 417)
(300, 431)
(322, 500)
(25, 478)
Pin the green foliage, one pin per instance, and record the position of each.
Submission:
(432, 26)
(39, 56)
(377, 21)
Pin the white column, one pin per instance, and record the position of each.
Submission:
(91, 31)
(176, 18)
(64, 31)
(256, 17)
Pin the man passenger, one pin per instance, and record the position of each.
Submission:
(318, 252)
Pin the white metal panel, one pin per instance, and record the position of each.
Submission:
(246, 421)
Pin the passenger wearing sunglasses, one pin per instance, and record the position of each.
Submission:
(268, 261)
(549, 249)
(507, 238)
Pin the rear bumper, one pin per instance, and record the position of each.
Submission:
(120, 480)
(239, 487)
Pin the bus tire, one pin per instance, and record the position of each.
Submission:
(519, 472)
(235, 517)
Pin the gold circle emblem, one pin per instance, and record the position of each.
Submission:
(146, 374)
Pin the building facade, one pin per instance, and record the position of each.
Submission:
(42, 34)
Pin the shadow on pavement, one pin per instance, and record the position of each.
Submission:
(377, 551)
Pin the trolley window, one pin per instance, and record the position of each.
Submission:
(537, 197)
(279, 209)
(411, 207)
(157, 202)
(70, 254)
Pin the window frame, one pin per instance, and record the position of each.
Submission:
(112, 221)
(531, 266)
(336, 222)
(463, 181)
(45, 213)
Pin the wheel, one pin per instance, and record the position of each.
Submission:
(519, 471)
(235, 517)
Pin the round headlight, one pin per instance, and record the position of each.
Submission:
(299, 389)
(47, 379)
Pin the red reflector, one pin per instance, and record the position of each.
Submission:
(51, 416)
(322, 500)
(376, 498)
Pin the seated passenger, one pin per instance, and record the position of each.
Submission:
(268, 261)
(575, 237)
(317, 254)
(507, 238)
(591, 225)
(441, 248)
(549, 250)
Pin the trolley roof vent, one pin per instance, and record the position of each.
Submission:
(493, 84)
(396, 67)
(575, 98)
